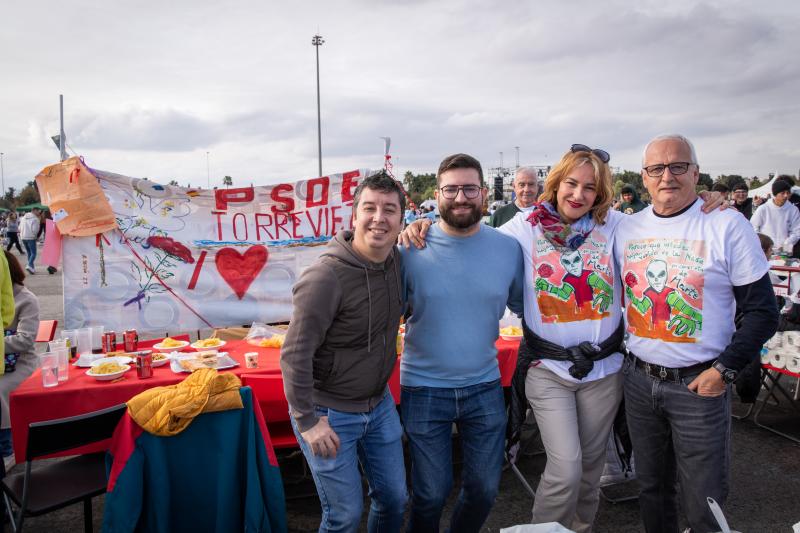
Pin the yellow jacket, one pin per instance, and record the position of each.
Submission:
(6, 305)
(166, 411)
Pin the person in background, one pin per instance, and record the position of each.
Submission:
(42, 225)
(12, 231)
(741, 202)
(631, 203)
(526, 188)
(722, 189)
(20, 356)
(430, 213)
(778, 218)
(28, 232)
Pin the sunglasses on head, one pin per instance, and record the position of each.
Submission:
(602, 154)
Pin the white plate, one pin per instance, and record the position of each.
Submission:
(160, 362)
(107, 377)
(163, 348)
(511, 337)
(224, 361)
(121, 359)
(220, 344)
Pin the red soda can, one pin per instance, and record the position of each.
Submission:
(144, 364)
(130, 338)
(109, 341)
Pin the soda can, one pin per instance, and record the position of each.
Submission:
(130, 338)
(109, 341)
(144, 365)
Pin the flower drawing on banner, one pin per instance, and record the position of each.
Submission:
(545, 270)
(172, 247)
(631, 280)
(162, 267)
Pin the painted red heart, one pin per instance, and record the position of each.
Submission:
(239, 270)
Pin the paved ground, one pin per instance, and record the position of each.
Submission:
(765, 495)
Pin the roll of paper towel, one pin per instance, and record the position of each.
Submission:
(793, 364)
(776, 341)
(777, 359)
(791, 338)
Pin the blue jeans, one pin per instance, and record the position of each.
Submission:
(373, 439)
(678, 437)
(30, 249)
(428, 415)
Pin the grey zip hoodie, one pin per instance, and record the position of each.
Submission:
(340, 349)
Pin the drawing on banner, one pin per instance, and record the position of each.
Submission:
(575, 284)
(664, 288)
(187, 258)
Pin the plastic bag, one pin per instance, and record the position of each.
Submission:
(265, 336)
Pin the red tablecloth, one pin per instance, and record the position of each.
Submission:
(31, 402)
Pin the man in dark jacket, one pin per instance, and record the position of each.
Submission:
(338, 356)
(631, 203)
(526, 189)
(741, 202)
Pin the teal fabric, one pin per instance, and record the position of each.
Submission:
(213, 477)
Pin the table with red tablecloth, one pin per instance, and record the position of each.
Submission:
(80, 394)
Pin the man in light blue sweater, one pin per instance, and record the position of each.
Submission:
(457, 289)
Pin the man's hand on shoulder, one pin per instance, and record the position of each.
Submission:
(414, 234)
(708, 383)
(322, 438)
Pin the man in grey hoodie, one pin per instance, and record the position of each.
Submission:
(337, 358)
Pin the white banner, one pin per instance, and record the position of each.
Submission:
(185, 259)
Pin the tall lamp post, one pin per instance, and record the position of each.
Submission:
(318, 41)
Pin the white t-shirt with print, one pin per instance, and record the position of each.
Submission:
(678, 275)
(578, 294)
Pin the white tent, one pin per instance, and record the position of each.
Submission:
(763, 191)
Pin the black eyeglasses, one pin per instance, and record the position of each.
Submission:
(602, 154)
(451, 191)
(676, 169)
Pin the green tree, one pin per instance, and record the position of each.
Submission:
(227, 181)
(29, 194)
(755, 183)
(628, 177)
(705, 181)
(9, 197)
(419, 187)
(174, 183)
(730, 180)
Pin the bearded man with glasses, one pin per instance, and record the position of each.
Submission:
(692, 271)
(457, 288)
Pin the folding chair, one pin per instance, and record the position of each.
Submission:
(47, 330)
(770, 379)
(62, 482)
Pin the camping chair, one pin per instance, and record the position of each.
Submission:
(47, 330)
(62, 482)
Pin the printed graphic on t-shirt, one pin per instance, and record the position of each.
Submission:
(573, 285)
(664, 288)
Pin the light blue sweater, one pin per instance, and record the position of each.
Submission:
(457, 290)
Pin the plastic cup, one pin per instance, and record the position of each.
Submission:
(84, 340)
(97, 338)
(63, 363)
(49, 365)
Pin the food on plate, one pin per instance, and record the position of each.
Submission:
(208, 343)
(201, 360)
(159, 356)
(108, 368)
(116, 353)
(276, 341)
(169, 342)
(514, 331)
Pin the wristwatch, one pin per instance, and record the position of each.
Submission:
(728, 374)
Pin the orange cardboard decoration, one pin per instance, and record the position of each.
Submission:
(75, 199)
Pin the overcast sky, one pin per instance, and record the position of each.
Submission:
(151, 86)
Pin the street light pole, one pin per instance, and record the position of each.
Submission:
(208, 172)
(318, 41)
(516, 149)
